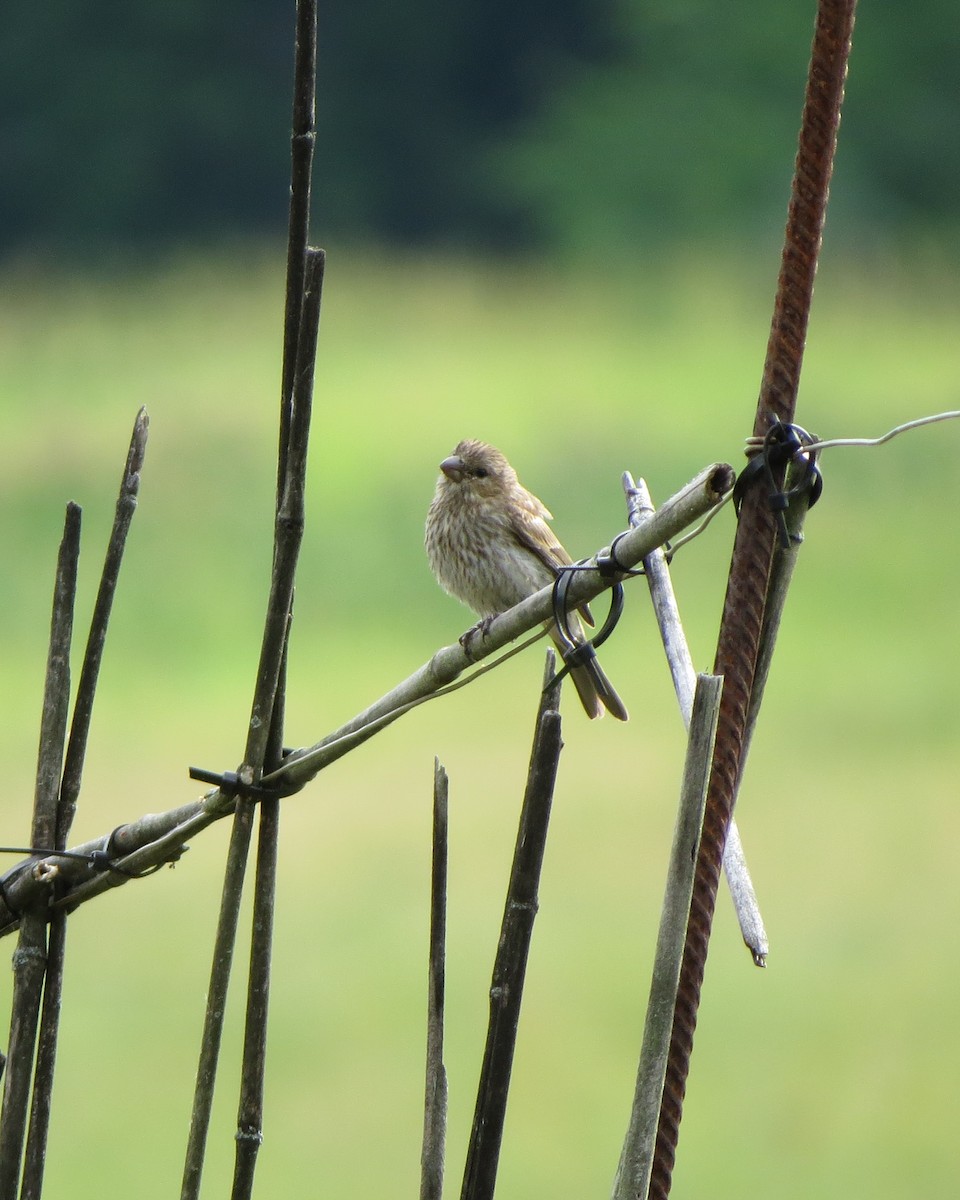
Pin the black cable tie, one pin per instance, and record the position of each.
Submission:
(14, 912)
(609, 566)
(577, 656)
(561, 617)
(782, 444)
(577, 651)
(230, 784)
(49, 852)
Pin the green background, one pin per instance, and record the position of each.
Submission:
(833, 1072)
(829, 1073)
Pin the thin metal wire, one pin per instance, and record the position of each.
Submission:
(828, 444)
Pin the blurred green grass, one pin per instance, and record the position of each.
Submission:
(830, 1073)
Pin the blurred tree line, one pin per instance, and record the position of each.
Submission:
(567, 124)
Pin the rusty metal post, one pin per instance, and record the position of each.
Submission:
(742, 618)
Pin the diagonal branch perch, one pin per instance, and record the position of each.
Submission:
(160, 837)
(687, 506)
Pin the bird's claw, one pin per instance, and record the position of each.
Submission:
(482, 628)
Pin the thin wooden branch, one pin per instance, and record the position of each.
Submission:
(684, 675)
(435, 1098)
(264, 738)
(224, 944)
(289, 526)
(158, 838)
(633, 1174)
(35, 1155)
(290, 507)
(264, 732)
(506, 991)
(249, 1134)
(96, 638)
(302, 144)
(56, 691)
(66, 806)
(289, 529)
(29, 960)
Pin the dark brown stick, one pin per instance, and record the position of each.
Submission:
(66, 807)
(96, 639)
(30, 957)
(516, 931)
(264, 732)
(435, 1098)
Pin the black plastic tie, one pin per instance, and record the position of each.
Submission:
(783, 444)
(609, 566)
(577, 650)
(230, 784)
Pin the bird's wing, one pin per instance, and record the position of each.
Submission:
(529, 518)
(528, 522)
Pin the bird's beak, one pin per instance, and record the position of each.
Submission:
(452, 467)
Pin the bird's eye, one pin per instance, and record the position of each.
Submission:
(481, 472)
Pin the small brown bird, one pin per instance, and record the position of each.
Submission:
(489, 545)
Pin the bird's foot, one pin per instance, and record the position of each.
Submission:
(482, 628)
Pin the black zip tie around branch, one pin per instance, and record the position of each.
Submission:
(231, 784)
(784, 443)
(577, 650)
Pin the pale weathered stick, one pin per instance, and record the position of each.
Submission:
(633, 1173)
(158, 838)
(684, 675)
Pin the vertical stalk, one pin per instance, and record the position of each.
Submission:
(516, 931)
(301, 320)
(636, 1160)
(30, 957)
(435, 1099)
(217, 998)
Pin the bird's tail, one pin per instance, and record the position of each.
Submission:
(595, 690)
